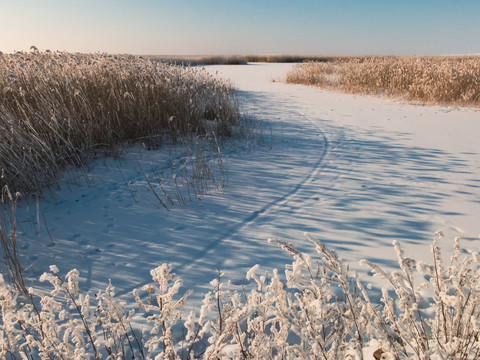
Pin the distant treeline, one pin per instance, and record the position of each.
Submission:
(241, 60)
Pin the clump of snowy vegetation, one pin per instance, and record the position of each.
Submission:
(59, 109)
(439, 80)
(316, 310)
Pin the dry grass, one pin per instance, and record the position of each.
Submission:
(430, 80)
(59, 109)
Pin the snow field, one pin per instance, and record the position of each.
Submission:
(354, 172)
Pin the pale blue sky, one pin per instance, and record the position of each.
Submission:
(323, 27)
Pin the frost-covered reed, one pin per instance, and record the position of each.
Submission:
(59, 109)
(439, 80)
(317, 310)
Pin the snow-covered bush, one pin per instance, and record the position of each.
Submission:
(316, 310)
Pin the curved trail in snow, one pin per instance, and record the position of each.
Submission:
(269, 207)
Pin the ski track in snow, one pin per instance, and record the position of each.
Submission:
(271, 206)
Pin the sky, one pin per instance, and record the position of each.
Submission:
(224, 27)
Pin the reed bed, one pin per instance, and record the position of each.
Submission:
(59, 109)
(451, 80)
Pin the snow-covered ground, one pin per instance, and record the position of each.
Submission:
(355, 172)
